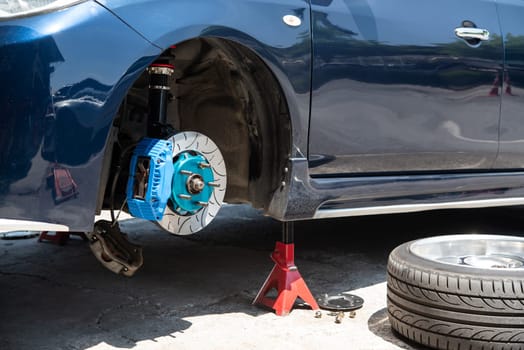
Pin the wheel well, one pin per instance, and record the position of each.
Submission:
(225, 91)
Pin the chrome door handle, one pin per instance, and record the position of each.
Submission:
(472, 33)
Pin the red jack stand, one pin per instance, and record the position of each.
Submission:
(59, 238)
(285, 278)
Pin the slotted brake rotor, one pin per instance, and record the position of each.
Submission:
(199, 184)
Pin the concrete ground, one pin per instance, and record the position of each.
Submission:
(195, 292)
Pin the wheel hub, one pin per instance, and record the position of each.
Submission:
(195, 184)
(198, 184)
(192, 183)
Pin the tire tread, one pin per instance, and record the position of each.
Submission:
(454, 309)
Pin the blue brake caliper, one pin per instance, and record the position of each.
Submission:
(150, 177)
(154, 179)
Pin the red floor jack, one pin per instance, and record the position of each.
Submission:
(285, 278)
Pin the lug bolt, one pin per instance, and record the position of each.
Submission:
(204, 165)
(212, 184)
(186, 172)
(339, 317)
(184, 196)
(352, 314)
(203, 204)
(318, 314)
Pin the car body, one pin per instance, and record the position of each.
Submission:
(321, 108)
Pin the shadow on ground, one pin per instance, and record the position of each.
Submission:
(61, 298)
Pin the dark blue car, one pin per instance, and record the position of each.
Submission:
(303, 108)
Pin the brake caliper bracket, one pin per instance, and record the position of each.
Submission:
(111, 247)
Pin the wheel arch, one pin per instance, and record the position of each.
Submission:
(256, 25)
(266, 122)
(262, 116)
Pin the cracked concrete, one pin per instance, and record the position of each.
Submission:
(196, 291)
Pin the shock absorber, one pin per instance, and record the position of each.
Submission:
(159, 96)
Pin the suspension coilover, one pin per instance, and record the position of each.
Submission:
(160, 73)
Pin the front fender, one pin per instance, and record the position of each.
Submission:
(63, 76)
(256, 24)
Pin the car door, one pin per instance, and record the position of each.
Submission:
(511, 13)
(396, 90)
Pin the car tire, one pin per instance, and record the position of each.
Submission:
(462, 292)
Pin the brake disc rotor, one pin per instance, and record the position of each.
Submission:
(184, 218)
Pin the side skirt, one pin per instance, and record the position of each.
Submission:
(304, 197)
